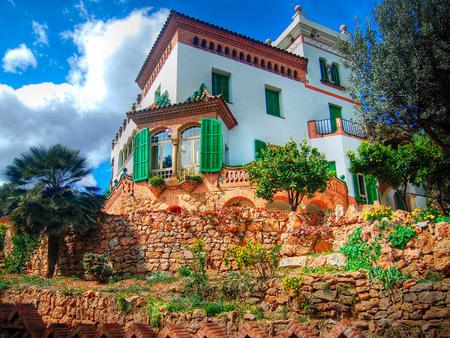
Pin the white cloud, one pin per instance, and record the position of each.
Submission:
(87, 181)
(85, 111)
(18, 59)
(40, 33)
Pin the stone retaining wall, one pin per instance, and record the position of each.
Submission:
(413, 309)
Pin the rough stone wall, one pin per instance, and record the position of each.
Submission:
(158, 241)
(414, 309)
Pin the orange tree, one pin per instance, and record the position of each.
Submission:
(299, 169)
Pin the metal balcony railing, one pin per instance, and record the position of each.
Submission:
(352, 128)
(324, 127)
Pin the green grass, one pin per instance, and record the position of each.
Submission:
(432, 277)
(160, 277)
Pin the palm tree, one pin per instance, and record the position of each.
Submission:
(47, 199)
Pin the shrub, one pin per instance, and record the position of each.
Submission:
(124, 306)
(197, 280)
(154, 312)
(401, 235)
(378, 213)
(389, 277)
(292, 285)
(184, 271)
(360, 254)
(234, 284)
(4, 284)
(253, 255)
(423, 215)
(3, 229)
(214, 308)
(156, 181)
(23, 247)
(97, 266)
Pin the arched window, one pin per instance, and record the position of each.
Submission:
(219, 48)
(130, 146)
(323, 69)
(282, 70)
(241, 56)
(275, 68)
(161, 154)
(125, 153)
(269, 65)
(295, 74)
(335, 74)
(249, 58)
(263, 63)
(203, 43)
(211, 46)
(227, 51)
(190, 151)
(234, 53)
(196, 41)
(289, 72)
(255, 60)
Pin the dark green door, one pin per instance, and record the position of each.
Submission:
(335, 111)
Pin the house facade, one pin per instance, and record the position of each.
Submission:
(211, 99)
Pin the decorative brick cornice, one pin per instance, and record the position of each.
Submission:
(182, 28)
(214, 105)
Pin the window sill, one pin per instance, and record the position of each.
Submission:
(280, 117)
(331, 84)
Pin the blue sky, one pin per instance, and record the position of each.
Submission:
(68, 67)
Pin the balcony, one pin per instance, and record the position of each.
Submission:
(339, 126)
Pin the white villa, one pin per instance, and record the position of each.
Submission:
(212, 98)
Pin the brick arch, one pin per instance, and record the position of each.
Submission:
(211, 330)
(174, 331)
(235, 194)
(237, 199)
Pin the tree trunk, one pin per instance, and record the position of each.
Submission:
(404, 197)
(52, 254)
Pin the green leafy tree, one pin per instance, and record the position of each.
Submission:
(298, 169)
(47, 199)
(394, 166)
(400, 70)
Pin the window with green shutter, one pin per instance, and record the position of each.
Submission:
(273, 102)
(323, 69)
(221, 85)
(332, 168)
(372, 191)
(335, 74)
(360, 188)
(260, 146)
(335, 112)
(210, 145)
(141, 155)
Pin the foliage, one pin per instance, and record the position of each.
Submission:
(197, 280)
(423, 215)
(184, 271)
(47, 198)
(378, 213)
(154, 312)
(292, 285)
(258, 314)
(432, 277)
(160, 277)
(187, 304)
(23, 247)
(360, 254)
(298, 169)
(124, 306)
(4, 284)
(3, 228)
(214, 308)
(97, 265)
(253, 255)
(233, 285)
(70, 291)
(443, 219)
(385, 73)
(195, 178)
(156, 181)
(37, 281)
(401, 235)
(389, 277)
(396, 166)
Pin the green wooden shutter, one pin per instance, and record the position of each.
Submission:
(273, 102)
(259, 147)
(371, 186)
(332, 168)
(210, 145)
(323, 69)
(335, 112)
(157, 93)
(220, 86)
(335, 74)
(141, 155)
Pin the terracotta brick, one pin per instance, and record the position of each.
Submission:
(174, 331)
(211, 330)
(140, 330)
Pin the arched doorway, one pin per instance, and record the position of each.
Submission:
(239, 202)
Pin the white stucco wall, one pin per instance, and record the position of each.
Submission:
(167, 78)
(247, 95)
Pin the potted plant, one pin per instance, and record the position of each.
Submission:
(191, 182)
(156, 184)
